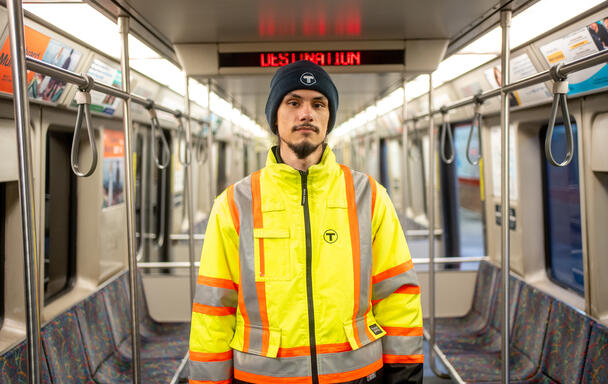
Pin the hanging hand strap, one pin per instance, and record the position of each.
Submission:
(446, 129)
(83, 99)
(476, 123)
(166, 155)
(560, 90)
(181, 139)
(201, 145)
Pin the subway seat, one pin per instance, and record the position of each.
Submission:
(91, 343)
(551, 342)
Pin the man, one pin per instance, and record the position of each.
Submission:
(305, 273)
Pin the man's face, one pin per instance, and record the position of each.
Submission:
(594, 27)
(302, 119)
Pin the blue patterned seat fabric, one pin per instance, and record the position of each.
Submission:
(117, 305)
(596, 362)
(13, 366)
(484, 300)
(488, 339)
(526, 344)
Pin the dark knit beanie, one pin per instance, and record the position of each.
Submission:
(302, 74)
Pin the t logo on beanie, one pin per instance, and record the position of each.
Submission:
(308, 79)
(302, 74)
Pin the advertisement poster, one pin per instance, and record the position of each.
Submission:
(521, 67)
(113, 168)
(496, 148)
(106, 74)
(35, 46)
(583, 42)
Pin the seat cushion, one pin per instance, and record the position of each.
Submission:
(63, 345)
(596, 362)
(480, 368)
(13, 366)
(117, 370)
(155, 349)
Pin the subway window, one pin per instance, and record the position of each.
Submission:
(60, 216)
(2, 249)
(563, 240)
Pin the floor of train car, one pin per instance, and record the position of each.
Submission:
(429, 376)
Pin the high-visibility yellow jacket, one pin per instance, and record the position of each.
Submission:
(305, 277)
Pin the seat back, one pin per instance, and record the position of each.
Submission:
(13, 366)
(95, 328)
(596, 362)
(514, 289)
(61, 339)
(485, 287)
(566, 344)
(117, 305)
(531, 322)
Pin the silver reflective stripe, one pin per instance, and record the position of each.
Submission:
(298, 366)
(384, 288)
(244, 202)
(349, 361)
(210, 370)
(363, 201)
(215, 296)
(402, 345)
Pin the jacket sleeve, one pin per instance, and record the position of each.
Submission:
(215, 301)
(395, 295)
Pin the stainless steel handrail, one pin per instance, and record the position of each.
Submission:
(430, 197)
(123, 28)
(449, 260)
(422, 232)
(404, 156)
(505, 67)
(26, 188)
(79, 80)
(540, 77)
(189, 193)
(167, 265)
(185, 237)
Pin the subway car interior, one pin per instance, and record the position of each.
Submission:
(122, 120)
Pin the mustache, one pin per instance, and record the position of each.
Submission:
(296, 128)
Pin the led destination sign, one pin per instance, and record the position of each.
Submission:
(323, 58)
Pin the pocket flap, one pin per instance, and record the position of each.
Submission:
(271, 233)
(366, 332)
(256, 337)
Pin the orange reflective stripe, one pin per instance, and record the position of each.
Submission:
(255, 378)
(392, 272)
(403, 359)
(409, 289)
(372, 183)
(216, 282)
(215, 311)
(350, 375)
(321, 348)
(354, 243)
(234, 212)
(258, 222)
(204, 357)
(403, 331)
(190, 381)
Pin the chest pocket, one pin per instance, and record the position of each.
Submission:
(272, 254)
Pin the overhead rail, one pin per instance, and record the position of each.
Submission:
(163, 162)
(540, 77)
(476, 123)
(83, 99)
(560, 90)
(81, 81)
(446, 130)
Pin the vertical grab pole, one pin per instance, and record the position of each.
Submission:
(189, 197)
(210, 147)
(123, 27)
(26, 189)
(430, 198)
(404, 162)
(505, 23)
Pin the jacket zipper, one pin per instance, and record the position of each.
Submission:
(311, 308)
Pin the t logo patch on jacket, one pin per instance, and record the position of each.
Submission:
(374, 328)
(330, 236)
